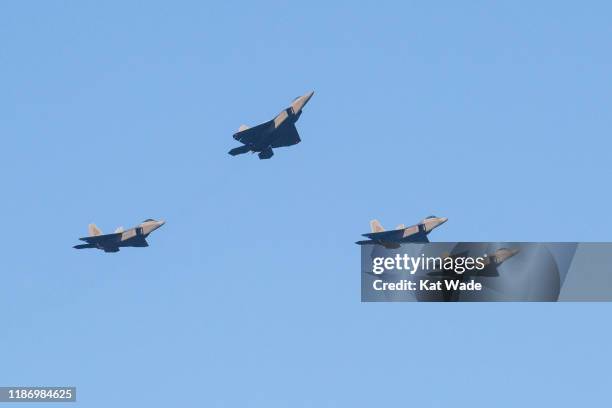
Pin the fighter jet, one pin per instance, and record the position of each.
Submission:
(133, 237)
(277, 132)
(394, 238)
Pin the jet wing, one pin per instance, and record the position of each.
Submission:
(385, 235)
(396, 236)
(416, 238)
(101, 238)
(287, 136)
(137, 241)
(252, 135)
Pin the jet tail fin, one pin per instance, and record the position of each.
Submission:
(94, 231)
(376, 227)
(239, 150)
(83, 246)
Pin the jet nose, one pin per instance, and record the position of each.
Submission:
(298, 104)
(308, 96)
(437, 221)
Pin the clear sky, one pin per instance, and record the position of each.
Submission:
(493, 114)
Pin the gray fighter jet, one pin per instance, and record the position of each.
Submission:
(133, 237)
(394, 238)
(278, 132)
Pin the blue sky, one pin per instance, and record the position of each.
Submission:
(493, 114)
